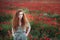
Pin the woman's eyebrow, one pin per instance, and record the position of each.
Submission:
(20, 14)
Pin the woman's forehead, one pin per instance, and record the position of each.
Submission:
(20, 12)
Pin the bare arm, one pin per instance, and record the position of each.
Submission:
(12, 32)
(28, 26)
(28, 29)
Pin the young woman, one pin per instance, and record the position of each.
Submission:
(21, 26)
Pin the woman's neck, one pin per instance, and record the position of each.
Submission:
(19, 23)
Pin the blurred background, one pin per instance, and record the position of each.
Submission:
(43, 15)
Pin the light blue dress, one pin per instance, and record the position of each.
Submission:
(20, 34)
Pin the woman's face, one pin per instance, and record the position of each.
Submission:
(20, 15)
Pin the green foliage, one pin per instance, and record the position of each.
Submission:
(26, 10)
(6, 17)
(4, 28)
(53, 15)
(38, 30)
(58, 36)
(34, 25)
(35, 33)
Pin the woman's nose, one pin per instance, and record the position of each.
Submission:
(20, 16)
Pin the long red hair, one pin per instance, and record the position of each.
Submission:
(16, 20)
